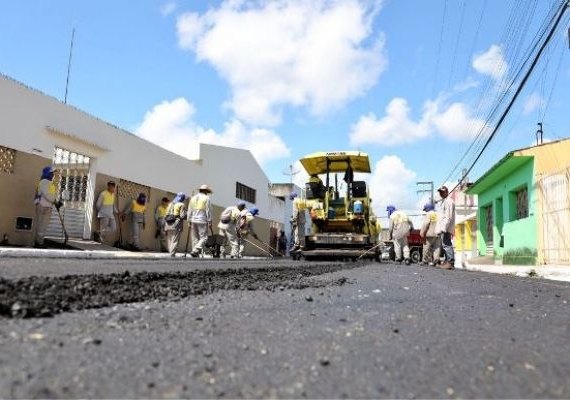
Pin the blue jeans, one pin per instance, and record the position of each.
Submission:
(447, 246)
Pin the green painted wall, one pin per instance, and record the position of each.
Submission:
(516, 234)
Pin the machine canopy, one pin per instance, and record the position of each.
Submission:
(336, 161)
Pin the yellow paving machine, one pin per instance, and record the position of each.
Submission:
(340, 216)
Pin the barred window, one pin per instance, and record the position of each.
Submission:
(7, 160)
(244, 192)
(522, 203)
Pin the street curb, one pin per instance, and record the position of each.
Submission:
(551, 272)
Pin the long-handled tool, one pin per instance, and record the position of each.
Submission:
(370, 249)
(269, 247)
(187, 240)
(119, 243)
(258, 247)
(65, 235)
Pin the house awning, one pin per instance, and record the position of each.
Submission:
(500, 170)
(461, 219)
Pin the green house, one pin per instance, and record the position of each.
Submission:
(506, 214)
(523, 214)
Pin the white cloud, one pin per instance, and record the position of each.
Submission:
(532, 103)
(170, 125)
(391, 182)
(316, 54)
(168, 8)
(396, 127)
(492, 63)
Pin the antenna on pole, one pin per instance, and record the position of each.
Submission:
(291, 172)
(69, 65)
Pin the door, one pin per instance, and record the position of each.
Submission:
(71, 179)
(489, 229)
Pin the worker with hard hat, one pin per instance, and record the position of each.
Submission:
(245, 227)
(200, 219)
(297, 221)
(446, 227)
(159, 214)
(44, 200)
(228, 229)
(174, 222)
(106, 212)
(136, 209)
(429, 235)
(400, 227)
(374, 228)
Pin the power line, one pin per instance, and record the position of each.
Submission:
(69, 65)
(562, 9)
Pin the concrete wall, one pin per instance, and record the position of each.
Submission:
(516, 233)
(17, 195)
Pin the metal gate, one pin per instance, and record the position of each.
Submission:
(555, 192)
(490, 225)
(71, 179)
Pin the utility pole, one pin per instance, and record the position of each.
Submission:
(69, 65)
(539, 134)
(426, 187)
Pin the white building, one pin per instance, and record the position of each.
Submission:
(39, 130)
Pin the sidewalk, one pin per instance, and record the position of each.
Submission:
(553, 272)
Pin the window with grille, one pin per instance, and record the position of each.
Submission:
(522, 203)
(7, 160)
(131, 190)
(244, 192)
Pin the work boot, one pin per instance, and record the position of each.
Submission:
(97, 237)
(194, 254)
(398, 260)
(431, 264)
(446, 265)
(407, 261)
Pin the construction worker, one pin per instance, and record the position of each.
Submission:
(159, 214)
(245, 227)
(227, 228)
(446, 227)
(400, 227)
(136, 209)
(200, 219)
(430, 237)
(106, 211)
(297, 221)
(374, 228)
(174, 222)
(45, 199)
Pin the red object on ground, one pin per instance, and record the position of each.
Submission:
(414, 238)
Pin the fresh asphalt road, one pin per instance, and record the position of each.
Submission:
(389, 331)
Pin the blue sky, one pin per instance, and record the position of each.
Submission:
(399, 79)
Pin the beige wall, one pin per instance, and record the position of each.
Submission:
(17, 196)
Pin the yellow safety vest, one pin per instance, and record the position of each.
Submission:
(199, 202)
(138, 208)
(175, 209)
(161, 211)
(399, 217)
(108, 198)
(51, 188)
